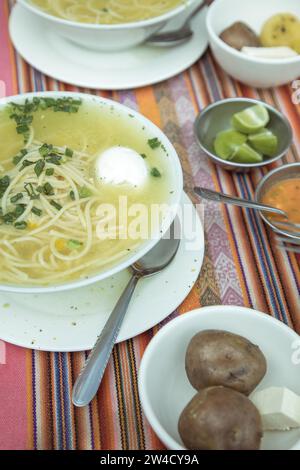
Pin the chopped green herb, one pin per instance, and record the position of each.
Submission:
(22, 129)
(74, 244)
(56, 205)
(36, 211)
(22, 114)
(54, 159)
(49, 171)
(4, 183)
(39, 189)
(16, 198)
(8, 218)
(19, 157)
(69, 152)
(26, 163)
(155, 172)
(48, 189)
(21, 225)
(143, 155)
(72, 195)
(45, 149)
(30, 191)
(19, 210)
(84, 192)
(39, 166)
(154, 143)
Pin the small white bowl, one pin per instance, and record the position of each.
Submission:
(173, 203)
(261, 73)
(114, 37)
(163, 385)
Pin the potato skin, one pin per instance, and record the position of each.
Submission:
(216, 357)
(239, 35)
(219, 418)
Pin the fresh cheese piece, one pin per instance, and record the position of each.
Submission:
(279, 408)
(270, 52)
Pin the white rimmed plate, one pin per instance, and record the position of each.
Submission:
(71, 320)
(136, 67)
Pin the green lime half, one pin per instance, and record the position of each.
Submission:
(251, 120)
(227, 142)
(246, 154)
(264, 142)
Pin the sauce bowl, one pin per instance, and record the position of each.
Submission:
(279, 174)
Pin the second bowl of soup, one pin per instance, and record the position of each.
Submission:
(87, 186)
(108, 25)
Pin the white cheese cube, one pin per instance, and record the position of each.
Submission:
(270, 52)
(279, 408)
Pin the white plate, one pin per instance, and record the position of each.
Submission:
(164, 388)
(136, 67)
(71, 321)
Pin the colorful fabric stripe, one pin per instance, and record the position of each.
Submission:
(241, 267)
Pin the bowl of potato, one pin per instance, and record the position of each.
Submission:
(257, 42)
(223, 378)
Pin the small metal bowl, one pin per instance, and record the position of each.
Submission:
(217, 117)
(279, 174)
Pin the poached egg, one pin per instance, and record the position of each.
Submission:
(119, 165)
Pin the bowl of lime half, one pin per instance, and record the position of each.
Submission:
(242, 133)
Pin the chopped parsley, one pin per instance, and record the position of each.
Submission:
(36, 211)
(69, 152)
(39, 166)
(74, 244)
(54, 159)
(30, 191)
(45, 149)
(84, 192)
(48, 189)
(154, 143)
(56, 205)
(155, 172)
(49, 171)
(21, 225)
(22, 114)
(4, 183)
(16, 198)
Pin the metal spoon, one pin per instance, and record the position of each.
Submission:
(156, 260)
(172, 38)
(236, 201)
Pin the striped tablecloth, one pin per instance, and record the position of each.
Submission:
(242, 267)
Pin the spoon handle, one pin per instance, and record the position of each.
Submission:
(87, 384)
(236, 201)
(205, 3)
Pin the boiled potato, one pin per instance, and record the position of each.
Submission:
(280, 30)
(216, 357)
(219, 418)
(239, 35)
